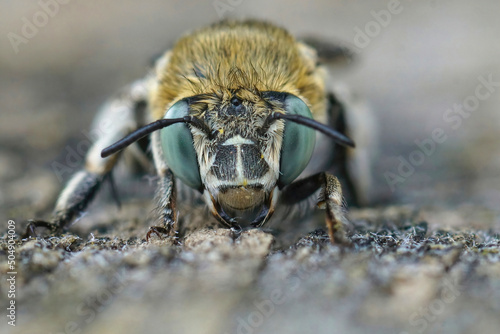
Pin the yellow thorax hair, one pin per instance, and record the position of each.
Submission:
(242, 58)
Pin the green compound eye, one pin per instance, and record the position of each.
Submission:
(178, 148)
(298, 142)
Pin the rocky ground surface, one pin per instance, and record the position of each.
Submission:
(408, 271)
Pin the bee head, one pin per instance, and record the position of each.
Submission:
(237, 148)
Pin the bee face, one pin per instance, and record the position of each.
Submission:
(235, 157)
(238, 156)
(239, 165)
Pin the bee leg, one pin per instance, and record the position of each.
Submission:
(116, 119)
(330, 198)
(75, 197)
(338, 162)
(166, 209)
(33, 225)
(165, 194)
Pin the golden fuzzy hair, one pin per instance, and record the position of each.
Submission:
(238, 58)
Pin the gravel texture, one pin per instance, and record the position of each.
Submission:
(402, 274)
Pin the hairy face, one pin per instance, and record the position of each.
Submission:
(237, 149)
(239, 163)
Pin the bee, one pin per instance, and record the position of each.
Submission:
(232, 112)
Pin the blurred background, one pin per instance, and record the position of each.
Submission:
(415, 62)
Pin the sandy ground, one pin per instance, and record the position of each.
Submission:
(425, 255)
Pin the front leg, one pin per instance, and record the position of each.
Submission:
(166, 206)
(166, 193)
(330, 198)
